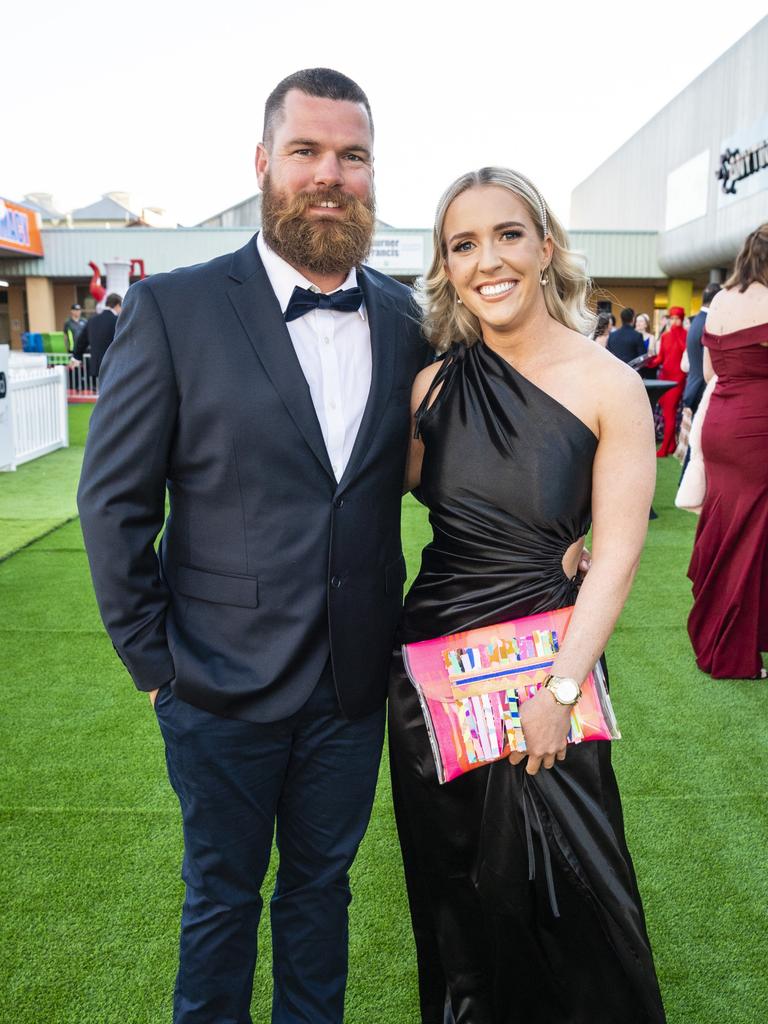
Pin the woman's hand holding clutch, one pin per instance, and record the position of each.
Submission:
(545, 727)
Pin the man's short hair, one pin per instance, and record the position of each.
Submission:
(324, 83)
(710, 292)
(113, 299)
(627, 316)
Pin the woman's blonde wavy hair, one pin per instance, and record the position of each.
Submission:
(445, 320)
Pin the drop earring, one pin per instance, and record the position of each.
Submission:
(544, 278)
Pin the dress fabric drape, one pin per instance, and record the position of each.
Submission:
(728, 624)
(507, 478)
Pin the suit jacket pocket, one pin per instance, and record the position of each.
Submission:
(218, 588)
(394, 575)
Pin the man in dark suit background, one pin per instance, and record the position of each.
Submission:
(694, 386)
(98, 334)
(270, 390)
(625, 342)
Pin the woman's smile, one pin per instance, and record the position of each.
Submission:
(492, 291)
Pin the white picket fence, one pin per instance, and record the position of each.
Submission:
(38, 412)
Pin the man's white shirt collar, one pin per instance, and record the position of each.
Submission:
(284, 278)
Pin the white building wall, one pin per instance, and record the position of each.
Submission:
(628, 192)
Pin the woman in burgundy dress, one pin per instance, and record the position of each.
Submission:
(671, 351)
(728, 625)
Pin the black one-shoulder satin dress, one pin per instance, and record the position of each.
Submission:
(507, 478)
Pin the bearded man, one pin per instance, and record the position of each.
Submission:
(268, 391)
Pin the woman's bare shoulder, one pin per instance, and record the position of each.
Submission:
(600, 372)
(732, 310)
(594, 358)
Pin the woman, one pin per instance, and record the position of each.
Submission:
(602, 331)
(669, 357)
(643, 325)
(524, 431)
(728, 625)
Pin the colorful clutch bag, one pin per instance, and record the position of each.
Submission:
(471, 686)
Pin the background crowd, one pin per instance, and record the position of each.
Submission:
(714, 419)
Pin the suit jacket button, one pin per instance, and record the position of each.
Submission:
(338, 503)
(335, 582)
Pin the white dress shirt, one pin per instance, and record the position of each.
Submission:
(334, 351)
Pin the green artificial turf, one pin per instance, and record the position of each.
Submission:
(91, 839)
(39, 495)
(79, 418)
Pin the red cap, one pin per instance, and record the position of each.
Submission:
(677, 311)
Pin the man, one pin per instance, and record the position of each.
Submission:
(270, 388)
(74, 325)
(695, 384)
(626, 343)
(98, 335)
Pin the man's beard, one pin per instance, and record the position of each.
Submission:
(323, 245)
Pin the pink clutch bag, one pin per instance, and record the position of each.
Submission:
(471, 686)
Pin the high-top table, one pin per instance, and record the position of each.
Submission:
(655, 389)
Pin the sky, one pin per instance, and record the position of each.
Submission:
(164, 99)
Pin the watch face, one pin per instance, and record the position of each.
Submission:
(566, 690)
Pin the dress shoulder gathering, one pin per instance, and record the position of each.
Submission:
(728, 625)
(521, 888)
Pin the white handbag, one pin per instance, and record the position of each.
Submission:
(693, 486)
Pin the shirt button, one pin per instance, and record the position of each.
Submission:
(338, 503)
(335, 582)
(326, 341)
(332, 404)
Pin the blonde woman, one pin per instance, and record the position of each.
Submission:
(525, 432)
(643, 325)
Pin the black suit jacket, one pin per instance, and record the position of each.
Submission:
(694, 386)
(626, 343)
(267, 566)
(97, 336)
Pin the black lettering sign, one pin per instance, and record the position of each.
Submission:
(735, 166)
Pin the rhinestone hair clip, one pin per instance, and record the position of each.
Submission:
(542, 208)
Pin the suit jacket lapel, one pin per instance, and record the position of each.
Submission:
(259, 312)
(383, 322)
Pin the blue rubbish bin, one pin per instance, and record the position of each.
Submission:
(32, 341)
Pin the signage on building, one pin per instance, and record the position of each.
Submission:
(19, 230)
(743, 169)
(397, 252)
(735, 166)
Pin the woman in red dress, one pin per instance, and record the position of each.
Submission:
(671, 350)
(728, 625)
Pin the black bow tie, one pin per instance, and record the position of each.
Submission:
(304, 301)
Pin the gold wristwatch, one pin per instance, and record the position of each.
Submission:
(565, 690)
